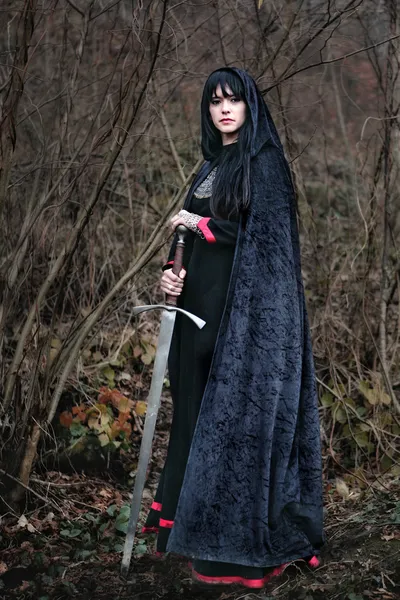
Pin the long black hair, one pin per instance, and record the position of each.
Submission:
(231, 187)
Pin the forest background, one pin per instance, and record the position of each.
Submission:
(99, 139)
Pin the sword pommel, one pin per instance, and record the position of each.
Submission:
(181, 232)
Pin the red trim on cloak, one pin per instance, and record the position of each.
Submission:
(249, 583)
(150, 530)
(156, 506)
(165, 523)
(203, 226)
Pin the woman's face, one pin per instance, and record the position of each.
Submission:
(228, 114)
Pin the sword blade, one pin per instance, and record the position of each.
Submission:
(153, 404)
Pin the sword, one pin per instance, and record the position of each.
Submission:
(154, 398)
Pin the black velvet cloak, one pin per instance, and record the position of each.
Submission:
(252, 492)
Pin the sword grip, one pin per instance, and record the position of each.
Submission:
(181, 232)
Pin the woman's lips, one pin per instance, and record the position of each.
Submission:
(226, 120)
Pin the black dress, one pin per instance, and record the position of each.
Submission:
(208, 263)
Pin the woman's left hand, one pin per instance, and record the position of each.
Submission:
(187, 219)
(177, 220)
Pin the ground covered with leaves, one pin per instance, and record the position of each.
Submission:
(68, 541)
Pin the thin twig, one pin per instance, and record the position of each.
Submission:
(172, 145)
(327, 62)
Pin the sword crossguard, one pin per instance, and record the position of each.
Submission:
(196, 320)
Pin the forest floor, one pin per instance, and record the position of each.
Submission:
(68, 544)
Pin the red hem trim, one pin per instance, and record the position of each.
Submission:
(165, 523)
(203, 226)
(314, 562)
(156, 506)
(249, 583)
(150, 529)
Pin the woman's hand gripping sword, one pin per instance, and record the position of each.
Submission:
(154, 398)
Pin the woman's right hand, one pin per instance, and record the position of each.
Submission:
(172, 284)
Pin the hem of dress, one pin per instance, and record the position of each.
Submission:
(249, 583)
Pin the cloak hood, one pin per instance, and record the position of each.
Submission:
(263, 128)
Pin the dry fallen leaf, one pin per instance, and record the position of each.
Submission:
(342, 488)
(22, 521)
(140, 408)
(392, 536)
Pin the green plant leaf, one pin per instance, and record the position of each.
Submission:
(121, 522)
(109, 373)
(92, 518)
(125, 511)
(71, 533)
(146, 359)
(77, 430)
(118, 362)
(373, 395)
(140, 549)
(118, 547)
(339, 414)
(38, 559)
(101, 529)
(111, 510)
(346, 430)
(385, 398)
(327, 399)
(82, 554)
(350, 402)
(364, 427)
(361, 438)
(121, 525)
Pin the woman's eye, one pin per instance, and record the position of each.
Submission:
(214, 102)
(235, 99)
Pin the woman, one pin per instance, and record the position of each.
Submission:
(240, 493)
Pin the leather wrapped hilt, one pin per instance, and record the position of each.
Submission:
(181, 232)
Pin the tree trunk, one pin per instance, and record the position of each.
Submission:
(13, 92)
